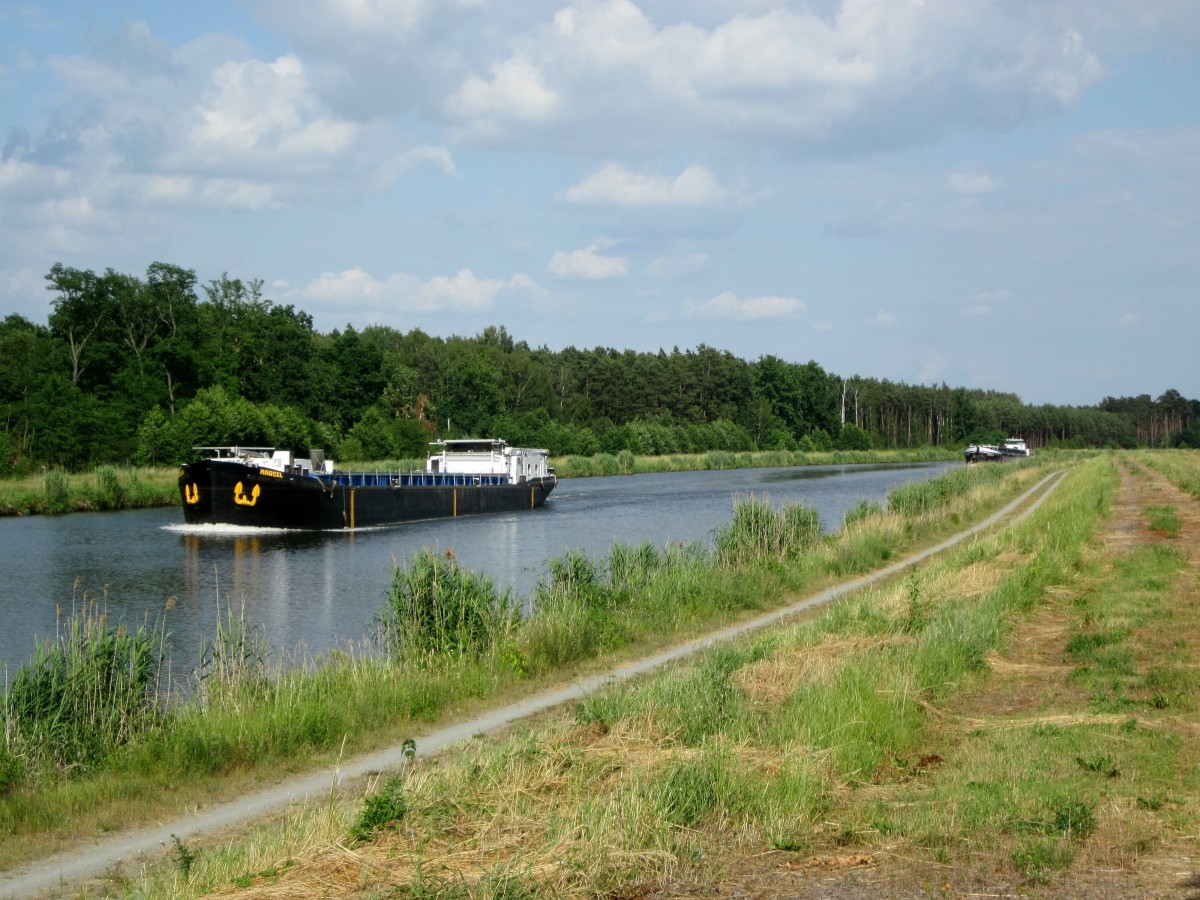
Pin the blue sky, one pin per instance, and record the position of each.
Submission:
(1000, 194)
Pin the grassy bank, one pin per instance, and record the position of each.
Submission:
(1017, 715)
(447, 643)
(106, 487)
(626, 463)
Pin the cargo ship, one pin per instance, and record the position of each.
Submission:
(1012, 448)
(262, 487)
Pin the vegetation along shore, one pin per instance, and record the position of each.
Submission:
(1019, 714)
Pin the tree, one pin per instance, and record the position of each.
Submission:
(78, 313)
(469, 396)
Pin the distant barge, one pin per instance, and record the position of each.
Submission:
(261, 487)
(1012, 448)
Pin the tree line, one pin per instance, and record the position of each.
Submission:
(142, 368)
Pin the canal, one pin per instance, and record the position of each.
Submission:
(309, 593)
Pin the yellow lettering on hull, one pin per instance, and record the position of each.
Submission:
(191, 493)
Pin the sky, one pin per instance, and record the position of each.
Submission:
(995, 194)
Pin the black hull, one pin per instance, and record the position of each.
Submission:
(225, 493)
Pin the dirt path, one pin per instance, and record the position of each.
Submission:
(64, 874)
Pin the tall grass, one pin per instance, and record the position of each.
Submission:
(107, 487)
(435, 608)
(759, 532)
(92, 689)
(920, 497)
(627, 463)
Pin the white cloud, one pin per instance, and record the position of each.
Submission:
(971, 184)
(260, 114)
(883, 319)
(516, 91)
(671, 268)
(982, 303)
(1129, 320)
(864, 74)
(728, 305)
(1080, 69)
(616, 185)
(405, 292)
(588, 264)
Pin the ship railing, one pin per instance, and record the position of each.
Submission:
(410, 479)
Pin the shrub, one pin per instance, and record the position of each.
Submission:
(113, 493)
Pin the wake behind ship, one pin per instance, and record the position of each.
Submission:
(261, 487)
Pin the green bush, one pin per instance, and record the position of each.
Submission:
(113, 494)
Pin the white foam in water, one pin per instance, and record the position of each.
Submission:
(225, 530)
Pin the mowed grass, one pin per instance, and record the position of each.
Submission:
(1019, 712)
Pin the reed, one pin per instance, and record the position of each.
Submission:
(759, 532)
(107, 487)
(437, 609)
(94, 688)
(628, 463)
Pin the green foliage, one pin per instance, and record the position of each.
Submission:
(12, 767)
(377, 436)
(122, 360)
(385, 807)
(437, 609)
(57, 494)
(185, 856)
(91, 690)
(114, 493)
(852, 437)
(759, 532)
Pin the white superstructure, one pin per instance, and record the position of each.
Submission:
(270, 458)
(471, 456)
(1015, 447)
